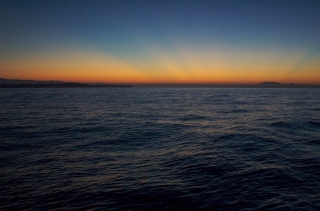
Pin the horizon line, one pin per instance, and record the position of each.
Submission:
(264, 84)
(164, 83)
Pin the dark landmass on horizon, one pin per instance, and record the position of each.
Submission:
(16, 83)
(207, 85)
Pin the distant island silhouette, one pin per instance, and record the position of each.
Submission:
(259, 85)
(16, 83)
(290, 85)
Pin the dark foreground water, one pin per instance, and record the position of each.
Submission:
(159, 149)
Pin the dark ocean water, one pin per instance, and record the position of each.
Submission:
(159, 149)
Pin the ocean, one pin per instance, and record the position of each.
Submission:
(159, 149)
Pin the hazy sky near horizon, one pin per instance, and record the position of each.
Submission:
(167, 41)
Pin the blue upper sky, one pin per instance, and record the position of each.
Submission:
(129, 30)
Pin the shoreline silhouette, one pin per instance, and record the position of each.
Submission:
(16, 83)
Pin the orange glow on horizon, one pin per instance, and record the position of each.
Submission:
(134, 79)
(187, 66)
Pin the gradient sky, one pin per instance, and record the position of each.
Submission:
(163, 41)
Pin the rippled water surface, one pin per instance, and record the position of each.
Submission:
(160, 149)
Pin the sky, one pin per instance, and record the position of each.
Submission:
(167, 41)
